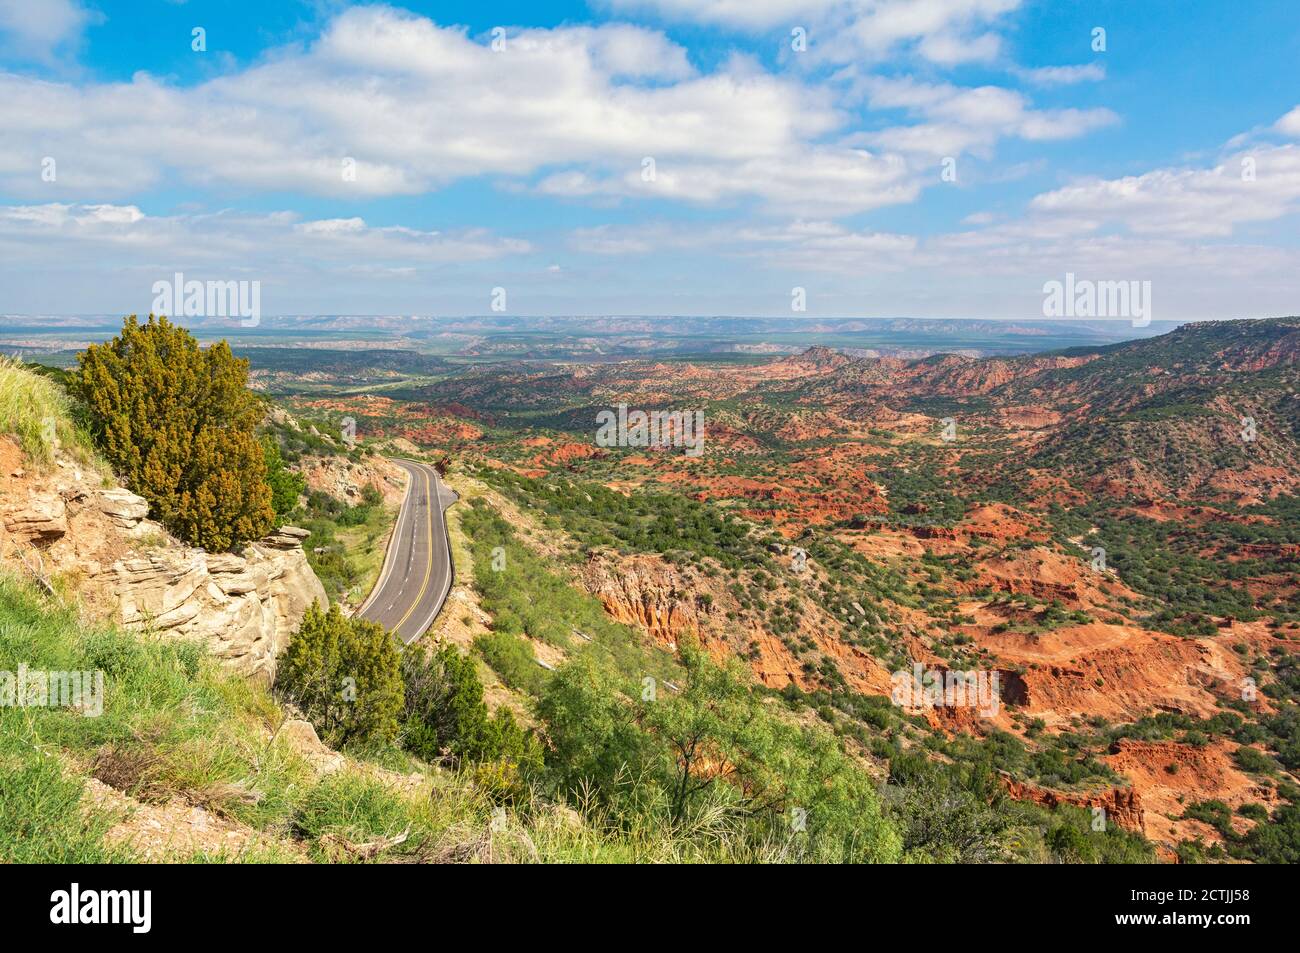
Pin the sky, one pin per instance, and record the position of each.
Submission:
(875, 158)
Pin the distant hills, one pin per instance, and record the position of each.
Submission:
(605, 338)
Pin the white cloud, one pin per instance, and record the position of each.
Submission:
(122, 235)
(946, 32)
(740, 14)
(1063, 75)
(961, 119)
(834, 181)
(1290, 123)
(415, 105)
(37, 29)
(1254, 186)
(1173, 227)
(952, 49)
(409, 106)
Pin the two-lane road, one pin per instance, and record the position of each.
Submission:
(416, 576)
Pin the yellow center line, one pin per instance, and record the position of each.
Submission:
(428, 568)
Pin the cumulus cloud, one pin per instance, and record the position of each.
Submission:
(406, 106)
(946, 32)
(1254, 186)
(960, 119)
(385, 102)
(32, 30)
(1175, 227)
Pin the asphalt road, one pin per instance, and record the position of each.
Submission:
(416, 576)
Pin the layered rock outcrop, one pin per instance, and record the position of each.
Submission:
(647, 592)
(42, 519)
(1123, 806)
(672, 604)
(243, 606)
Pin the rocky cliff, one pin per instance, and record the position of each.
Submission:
(1122, 806)
(65, 525)
(669, 604)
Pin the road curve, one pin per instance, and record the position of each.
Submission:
(416, 576)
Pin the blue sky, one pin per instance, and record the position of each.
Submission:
(651, 156)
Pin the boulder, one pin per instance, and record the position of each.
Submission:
(122, 506)
(286, 537)
(300, 737)
(43, 519)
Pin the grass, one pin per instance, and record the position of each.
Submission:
(175, 724)
(38, 411)
(40, 816)
(365, 546)
(351, 542)
(526, 597)
(512, 658)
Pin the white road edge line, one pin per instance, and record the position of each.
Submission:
(442, 519)
(390, 556)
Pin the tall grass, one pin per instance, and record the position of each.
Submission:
(175, 724)
(38, 411)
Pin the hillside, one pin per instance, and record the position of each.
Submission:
(177, 751)
(1081, 526)
(1094, 529)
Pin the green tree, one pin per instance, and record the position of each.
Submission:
(715, 747)
(345, 674)
(178, 423)
(945, 822)
(445, 711)
(286, 485)
(446, 716)
(719, 742)
(591, 732)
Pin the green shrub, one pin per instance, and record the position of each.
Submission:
(1254, 761)
(345, 674)
(512, 659)
(712, 753)
(445, 714)
(177, 423)
(286, 485)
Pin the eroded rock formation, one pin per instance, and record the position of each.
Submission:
(1123, 806)
(64, 523)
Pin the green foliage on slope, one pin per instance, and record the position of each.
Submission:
(176, 724)
(36, 410)
(712, 754)
(345, 674)
(445, 714)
